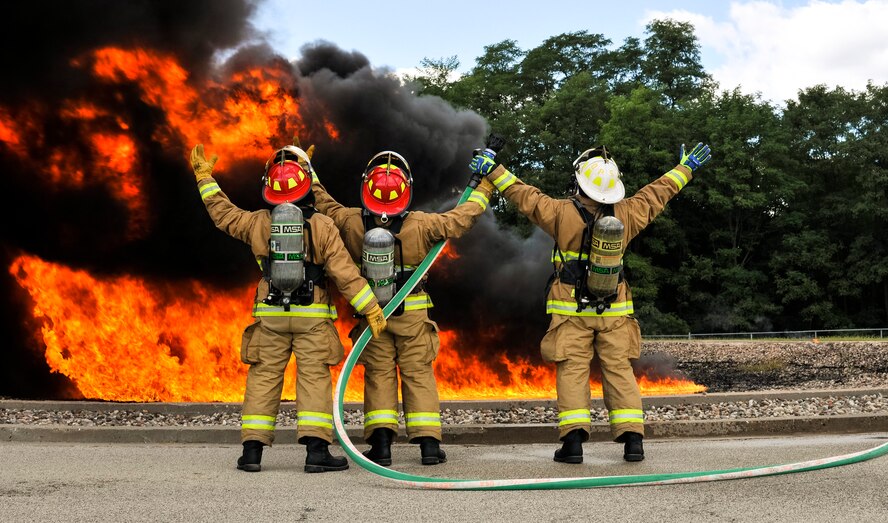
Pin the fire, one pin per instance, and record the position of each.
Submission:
(238, 118)
(123, 338)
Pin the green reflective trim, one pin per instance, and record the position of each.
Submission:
(423, 415)
(378, 412)
(575, 411)
(569, 417)
(381, 421)
(569, 308)
(505, 181)
(627, 411)
(678, 177)
(480, 199)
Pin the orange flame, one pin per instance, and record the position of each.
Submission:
(126, 339)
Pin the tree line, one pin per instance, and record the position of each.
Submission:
(783, 230)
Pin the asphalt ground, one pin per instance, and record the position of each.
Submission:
(197, 482)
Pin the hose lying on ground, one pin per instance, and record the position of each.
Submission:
(413, 480)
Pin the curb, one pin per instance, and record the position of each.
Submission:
(201, 409)
(458, 434)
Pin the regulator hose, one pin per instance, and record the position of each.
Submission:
(415, 481)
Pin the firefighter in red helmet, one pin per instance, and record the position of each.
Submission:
(589, 300)
(297, 249)
(389, 241)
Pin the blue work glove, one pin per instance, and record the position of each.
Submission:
(695, 159)
(483, 163)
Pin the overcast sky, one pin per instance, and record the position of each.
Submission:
(771, 47)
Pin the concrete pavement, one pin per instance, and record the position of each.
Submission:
(197, 482)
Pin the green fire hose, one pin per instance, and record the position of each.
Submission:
(412, 480)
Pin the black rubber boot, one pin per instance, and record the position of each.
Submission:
(380, 451)
(252, 456)
(319, 458)
(633, 450)
(571, 450)
(431, 452)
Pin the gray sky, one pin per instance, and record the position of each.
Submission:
(768, 46)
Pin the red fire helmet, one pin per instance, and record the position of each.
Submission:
(287, 176)
(387, 185)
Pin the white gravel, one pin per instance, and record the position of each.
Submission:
(767, 408)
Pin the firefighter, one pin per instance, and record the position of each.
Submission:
(589, 300)
(297, 250)
(410, 343)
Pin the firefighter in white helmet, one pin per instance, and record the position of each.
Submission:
(298, 249)
(385, 231)
(589, 300)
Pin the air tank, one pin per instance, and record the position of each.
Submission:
(605, 257)
(286, 254)
(378, 263)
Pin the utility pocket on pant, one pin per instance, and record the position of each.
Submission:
(634, 335)
(434, 341)
(249, 351)
(551, 348)
(333, 344)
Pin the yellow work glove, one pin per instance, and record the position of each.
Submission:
(203, 169)
(376, 320)
(486, 186)
(308, 152)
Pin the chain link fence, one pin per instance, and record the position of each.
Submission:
(878, 333)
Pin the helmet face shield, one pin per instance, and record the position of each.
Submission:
(387, 185)
(287, 176)
(598, 176)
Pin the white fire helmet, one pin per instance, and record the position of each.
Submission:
(598, 176)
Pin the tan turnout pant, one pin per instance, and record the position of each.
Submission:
(266, 347)
(408, 347)
(571, 342)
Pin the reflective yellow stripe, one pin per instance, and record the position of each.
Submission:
(375, 417)
(678, 177)
(314, 419)
(208, 190)
(315, 310)
(414, 303)
(567, 256)
(258, 421)
(626, 416)
(362, 298)
(479, 198)
(570, 417)
(423, 419)
(569, 308)
(505, 181)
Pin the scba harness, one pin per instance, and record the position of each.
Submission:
(597, 270)
(291, 278)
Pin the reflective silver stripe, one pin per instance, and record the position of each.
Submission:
(413, 303)
(362, 298)
(570, 417)
(479, 198)
(678, 177)
(626, 416)
(317, 310)
(423, 419)
(569, 308)
(260, 422)
(505, 181)
(316, 419)
(377, 417)
(208, 190)
(568, 256)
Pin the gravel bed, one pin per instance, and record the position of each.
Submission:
(767, 408)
